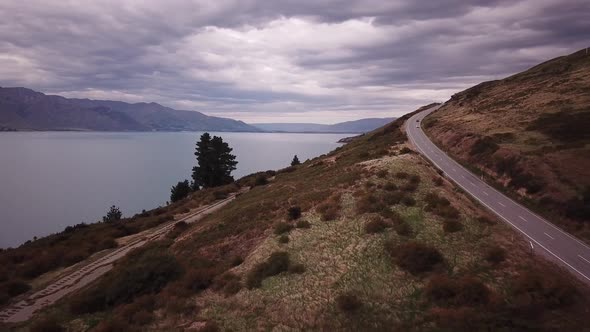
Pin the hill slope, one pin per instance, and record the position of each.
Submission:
(357, 126)
(25, 109)
(382, 242)
(531, 133)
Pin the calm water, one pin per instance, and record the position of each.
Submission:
(54, 179)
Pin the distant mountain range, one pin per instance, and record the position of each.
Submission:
(358, 126)
(25, 109)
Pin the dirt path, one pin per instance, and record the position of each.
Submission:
(93, 269)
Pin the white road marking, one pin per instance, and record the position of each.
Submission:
(549, 236)
(587, 261)
(531, 245)
(521, 217)
(501, 204)
(463, 176)
(454, 170)
(485, 193)
(473, 184)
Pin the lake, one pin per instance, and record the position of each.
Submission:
(49, 180)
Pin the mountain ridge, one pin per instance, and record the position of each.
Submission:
(27, 109)
(355, 126)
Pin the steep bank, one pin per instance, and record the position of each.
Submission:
(530, 133)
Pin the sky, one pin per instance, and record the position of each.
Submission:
(280, 61)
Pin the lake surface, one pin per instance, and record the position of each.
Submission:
(49, 180)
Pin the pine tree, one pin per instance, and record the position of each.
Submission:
(180, 191)
(114, 214)
(214, 162)
(295, 161)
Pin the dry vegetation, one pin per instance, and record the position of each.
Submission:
(367, 249)
(529, 133)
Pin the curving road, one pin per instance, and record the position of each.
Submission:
(543, 237)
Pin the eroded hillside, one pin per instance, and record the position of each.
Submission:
(531, 134)
(368, 237)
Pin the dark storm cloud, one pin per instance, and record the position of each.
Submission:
(257, 60)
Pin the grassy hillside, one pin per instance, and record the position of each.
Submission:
(531, 133)
(368, 237)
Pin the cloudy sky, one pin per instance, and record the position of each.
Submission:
(280, 61)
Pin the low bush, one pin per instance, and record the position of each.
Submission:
(348, 302)
(414, 257)
(227, 283)
(495, 254)
(390, 186)
(13, 288)
(261, 180)
(403, 228)
(485, 220)
(199, 279)
(302, 224)
(437, 181)
(484, 146)
(330, 209)
(392, 198)
(405, 150)
(382, 173)
(535, 290)
(178, 229)
(284, 239)
(376, 224)
(144, 271)
(440, 206)
(466, 291)
(452, 226)
(277, 262)
(296, 268)
(47, 324)
(408, 201)
(282, 227)
(415, 179)
(409, 187)
(369, 203)
(236, 260)
(402, 175)
(294, 212)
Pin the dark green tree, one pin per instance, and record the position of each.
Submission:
(180, 191)
(114, 214)
(214, 162)
(295, 161)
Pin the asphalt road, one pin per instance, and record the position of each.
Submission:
(543, 237)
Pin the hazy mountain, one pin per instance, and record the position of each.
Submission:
(357, 126)
(25, 109)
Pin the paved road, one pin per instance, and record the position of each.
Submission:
(87, 272)
(543, 237)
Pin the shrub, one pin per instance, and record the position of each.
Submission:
(485, 220)
(228, 283)
(402, 175)
(415, 179)
(408, 201)
(236, 260)
(282, 227)
(348, 302)
(302, 224)
(382, 173)
(113, 215)
(452, 226)
(390, 186)
(369, 203)
(296, 268)
(409, 187)
(539, 289)
(261, 180)
(277, 262)
(210, 326)
(403, 228)
(405, 150)
(376, 225)
(284, 239)
(144, 271)
(484, 146)
(392, 198)
(329, 209)
(14, 287)
(48, 324)
(199, 279)
(495, 254)
(414, 257)
(437, 181)
(294, 212)
(181, 190)
(467, 291)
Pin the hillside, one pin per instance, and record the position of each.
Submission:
(25, 109)
(367, 237)
(357, 126)
(530, 133)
